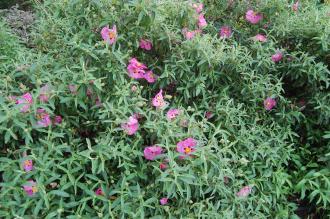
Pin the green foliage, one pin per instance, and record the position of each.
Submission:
(282, 153)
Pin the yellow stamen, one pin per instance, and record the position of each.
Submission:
(112, 35)
(187, 150)
(27, 163)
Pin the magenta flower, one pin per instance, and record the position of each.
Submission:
(89, 92)
(208, 115)
(98, 102)
(162, 166)
(152, 152)
(158, 100)
(27, 165)
(99, 191)
(253, 17)
(260, 38)
(225, 180)
(57, 120)
(245, 191)
(184, 123)
(277, 56)
(145, 44)
(30, 188)
(295, 6)
(150, 77)
(25, 101)
(131, 126)
(134, 88)
(163, 201)
(198, 7)
(73, 88)
(188, 34)
(201, 21)
(136, 69)
(44, 93)
(172, 113)
(109, 35)
(269, 103)
(43, 118)
(225, 32)
(186, 146)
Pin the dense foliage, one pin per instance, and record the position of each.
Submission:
(210, 120)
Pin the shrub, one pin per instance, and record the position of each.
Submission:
(249, 136)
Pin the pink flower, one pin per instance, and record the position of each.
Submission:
(184, 123)
(225, 180)
(30, 188)
(201, 21)
(44, 93)
(152, 152)
(158, 100)
(260, 38)
(25, 101)
(277, 57)
(253, 17)
(198, 7)
(208, 115)
(150, 77)
(131, 126)
(186, 146)
(27, 165)
(172, 113)
(245, 191)
(163, 201)
(188, 34)
(73, 88)
(269, 103)
(145, 44)
(109, 35)
(295, 6)
(267, 25)
(98, 102)
(89, 92)
(43, 118)
(57, 120)
(162, 166)
(134, 88)
(136, 69)
(99, 191)
(225, 32)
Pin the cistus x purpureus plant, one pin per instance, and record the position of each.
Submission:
(166, 109)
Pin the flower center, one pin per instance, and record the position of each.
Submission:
(187, 150)
(27, 163)
(34, 189)
(112, 35)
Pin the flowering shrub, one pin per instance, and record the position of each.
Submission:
(174, 109)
